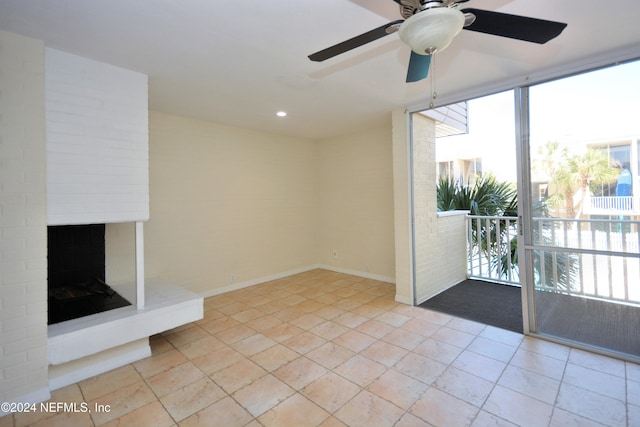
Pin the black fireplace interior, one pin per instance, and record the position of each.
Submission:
(76, 273)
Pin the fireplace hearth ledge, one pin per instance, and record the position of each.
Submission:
(87, 346)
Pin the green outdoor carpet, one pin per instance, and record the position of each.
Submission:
(602, 324)
(599, 323)
(484, 302)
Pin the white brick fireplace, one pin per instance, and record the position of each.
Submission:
(97, 131)
(74, 150)
(98, 172)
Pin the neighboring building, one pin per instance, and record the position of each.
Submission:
(612, 200)
(472, 140)
(475, 138)
(607, 199)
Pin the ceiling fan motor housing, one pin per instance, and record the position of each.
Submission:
(431, 30)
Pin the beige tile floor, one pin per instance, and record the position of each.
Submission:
(328, 349)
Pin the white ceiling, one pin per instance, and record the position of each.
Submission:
(238, 62)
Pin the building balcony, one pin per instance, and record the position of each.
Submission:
(612, 206)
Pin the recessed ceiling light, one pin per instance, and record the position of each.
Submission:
(281, 114)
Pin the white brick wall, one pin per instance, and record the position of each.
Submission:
(439, 242)
(424, 178)
(402, 208)
(23, 228)
(97, 142)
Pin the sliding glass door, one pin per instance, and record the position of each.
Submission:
(581, 232)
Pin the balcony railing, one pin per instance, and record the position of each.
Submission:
(612, 205)
(590, 258)
(490, 242)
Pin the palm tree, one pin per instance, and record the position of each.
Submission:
(592, 167)
(550, 157)
(570, 173)
(486, 197)
(552, 160)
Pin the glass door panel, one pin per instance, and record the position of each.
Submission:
(584, 217)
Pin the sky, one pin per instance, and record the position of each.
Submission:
(603, 104)
(597, 106)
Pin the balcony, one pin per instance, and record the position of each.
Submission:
(489, 243)
(586, 275)
(597, 259)
(613, 206)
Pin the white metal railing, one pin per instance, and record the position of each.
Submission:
(591, 258)
(600, 257)
(612, 203)
(490, 242)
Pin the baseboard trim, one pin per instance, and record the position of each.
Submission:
(257, 281)
(364, 274)
(264, 279)
(403, 300)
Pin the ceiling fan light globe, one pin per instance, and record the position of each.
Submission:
(431, 30)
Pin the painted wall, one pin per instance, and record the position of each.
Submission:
(232, 207)
(356, 202)
(228, 205)
(23, 222)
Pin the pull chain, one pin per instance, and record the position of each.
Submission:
(434, 94)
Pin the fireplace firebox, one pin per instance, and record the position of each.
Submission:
(76, 273)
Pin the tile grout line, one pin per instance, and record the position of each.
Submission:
(386, 312)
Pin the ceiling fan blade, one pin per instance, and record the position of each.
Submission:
(418, 67)
(354, 42)
(514, 26)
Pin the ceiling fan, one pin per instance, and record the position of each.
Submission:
(429, 26)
